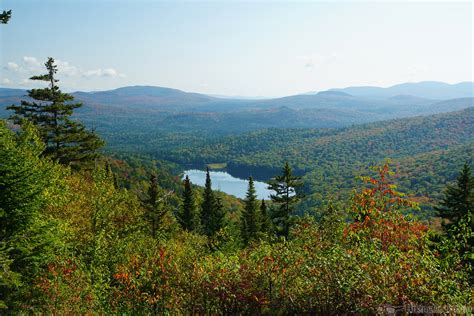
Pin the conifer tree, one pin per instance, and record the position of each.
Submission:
(110, 173)
(207, 206)
(27, 238)
(5, 16)
(459, 198)
(251, 224)
(189, 215)
(155, 208)
(217, 216)
(265, 218)
(286, 197)
(67, 141)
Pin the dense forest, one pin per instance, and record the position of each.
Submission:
(83, 232)
(426, 152)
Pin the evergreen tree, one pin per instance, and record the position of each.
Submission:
(155, 208)
(27, 238)
(459, 198)
(286, 197)
(110, 173)
(457, 207)
(5, 16)
(217, 216)
(67, 141)
(207, 206)
(251, 224)
(265, 218)
(189, 216)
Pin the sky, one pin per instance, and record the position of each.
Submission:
(236, 48)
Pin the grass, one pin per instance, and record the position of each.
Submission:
(217, 165)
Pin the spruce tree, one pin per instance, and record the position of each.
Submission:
(457, 207)
(217, 216)
(28, 239)
(189, 216)
(250, 217)
(110, 173)
(67, 141)
(5, 16)
(459, 198)
(155, 208)
(265, 218)
(207, 206)
(286, 197)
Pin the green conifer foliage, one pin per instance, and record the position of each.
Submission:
(27, 238)
(207, 206)
(265, 218)
(286, 197)
(189, 216)
(459, 198)
(217, 216)
(458, 208)
(156, 209)
(251, 220)
(67, 141)
(5, 16)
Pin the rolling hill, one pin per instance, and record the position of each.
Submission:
(146, 109)
(424, 89)
(427, 152)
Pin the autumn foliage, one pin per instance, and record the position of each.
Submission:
(87, 249)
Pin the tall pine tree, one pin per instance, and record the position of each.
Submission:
(5, 16)
(189, 215)
(459, 198)
(286, 197)
(217, 216)
(67, 141)
(207, 206)
(155, 207)
(251, 224)
(265, 218)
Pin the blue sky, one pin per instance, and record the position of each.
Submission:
(237, 48)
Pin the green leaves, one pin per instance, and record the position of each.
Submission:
(28, 238)
(67, 141)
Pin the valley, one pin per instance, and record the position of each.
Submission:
(329, 138)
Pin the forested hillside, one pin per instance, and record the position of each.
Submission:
(95, 247)
(126, 199)
(143, 111)
(429, 148)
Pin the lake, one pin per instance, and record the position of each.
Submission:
(222, 181)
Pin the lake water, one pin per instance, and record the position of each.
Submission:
(224, 182)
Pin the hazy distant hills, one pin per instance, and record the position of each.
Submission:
(425, 89)
(148, 107)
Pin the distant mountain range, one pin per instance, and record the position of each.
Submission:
(424, 89)
(143, 107)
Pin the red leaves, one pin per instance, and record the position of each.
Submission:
(377, 214)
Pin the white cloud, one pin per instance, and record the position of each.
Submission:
(30, 66)
(65, 68)
(31, 61)
(6, 81)
(12, 66)
(108, 72)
